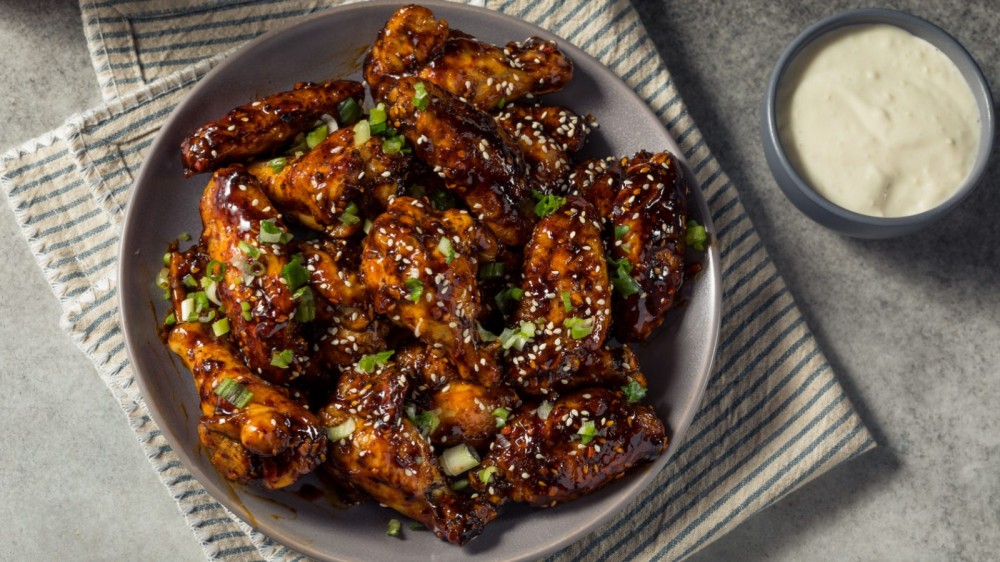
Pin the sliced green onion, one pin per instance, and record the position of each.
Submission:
(505, 299)
(368, 226)
(201, 301)
(163, 279)
(187, 310)
(233, 392)
(427, 421)
(277, 164)
(362, 132)
(215, 270)
(501, 414)
(369, 363)
(444, 246)
(484, 334)
(393, 145)
(458, 485)
(517, 338)
(587, 431)
(317, 136)
(189, 281)
(547, 204)
(306, 309)
(206, 318)
(245, 308)
(442, 200)
(298, 145)
(501, 103)
(420, 97)
(271, 233)
(220, 327)
(170, 320)
(634, 392)
(491, 270)
(544, 409)
(621, 276)
(415, 287)
(696, 236)
(210, 288)
(184, 236)
(486, 474)
(350, 215)
(248, 250)
(256, 269)
(621, 230)
(295, 275)
(579, 328)
(567, 301)
(458, 459)
(349, 111)
(394, 528)
(166, 258)
(282, 359)
(377, 119)
(341, 431)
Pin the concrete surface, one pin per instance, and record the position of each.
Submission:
(911, 325)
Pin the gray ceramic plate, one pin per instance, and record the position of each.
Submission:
(677, 361)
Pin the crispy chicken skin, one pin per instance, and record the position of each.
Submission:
(564, 261)
(414, 42)
(546, 136)
(544, 462)
(386, 457)
(262, 126)
(652, 210)
(317, 188)
(272, 438)
(476, 159)
(598, 180)
(422, 276)
(232, 209)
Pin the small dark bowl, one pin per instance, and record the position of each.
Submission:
(837, 218)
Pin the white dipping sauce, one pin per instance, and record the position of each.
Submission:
(878, 121)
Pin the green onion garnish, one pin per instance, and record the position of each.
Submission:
(458, 485)
(501, 103)
(442, 200)
(166, 258)
(393, 145)
(517, 338)
(187, 310)
(170, 320)
(189, 281)
(505, 299)
(163, 278)
(341, 431)
(420, 97)
(350, 215)
(282, 359)
(306, 310)
(621, 277)
(256, 269)
(458, 459)
(349, 111)
(547, 204)
(245, 307)
(277, 164)
(362, 132)
(233, 392)
(214, 270)
(544, 409)
(634, 392)
(184, 236)
(248, 250)
(317, 136)
(567, 301)
(444, 246)
(486, 474)
(220, 327)
(377, 119)
(368, 226)
(415, 287)
(696, 235)
(271, 233)
(587, 431)
(501, 414)
(579, 328)
(369, 363)
(484, 334)
(491, 270)
(394, 528)
(427, 421)
(295, 275)
(621, 230)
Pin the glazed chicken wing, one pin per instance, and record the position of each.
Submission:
(650, 225)
(270, 438)
(598, 180)
(565, 311)
(466, 147)
(254, 292)
(422, 275)
(586, 440)
(546, 136)
(265, 125)
(384, 455)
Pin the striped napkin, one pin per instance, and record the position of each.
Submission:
(773, 418)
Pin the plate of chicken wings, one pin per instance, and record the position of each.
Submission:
(447, 280)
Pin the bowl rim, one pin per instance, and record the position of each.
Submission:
(907, 22)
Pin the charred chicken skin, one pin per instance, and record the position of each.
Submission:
(262, 126)
(388, 458)
(588, 439)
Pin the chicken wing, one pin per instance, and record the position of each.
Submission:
(546, 136)
(384, 455)
(336, 184)
(422, 275)
(264, 125)
(468, 149)
(254, 291)
(565, 311)
(557, 452)
(647, 256)
(598, 180)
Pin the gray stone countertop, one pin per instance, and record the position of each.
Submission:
(911, 325)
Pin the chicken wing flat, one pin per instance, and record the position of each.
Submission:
(650, 226)
(333, 186)
(264, 125)
(233, 207)
(384, 455)
(422, 275)
(414, 42)
(268, 437)
(598, 180)
(586, 440)
(546, 136)
(566, 300)
(466, 147)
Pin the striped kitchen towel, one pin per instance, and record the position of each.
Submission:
(773, 417)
